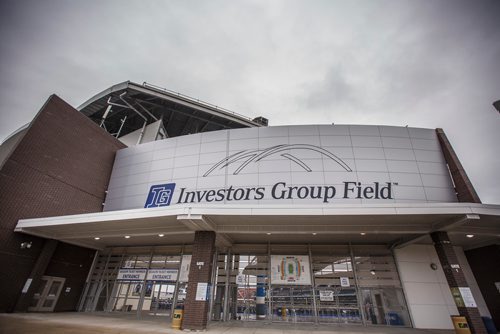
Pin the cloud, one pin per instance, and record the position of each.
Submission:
(333, 91)
(421, 63)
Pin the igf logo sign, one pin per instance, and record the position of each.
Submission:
(160, 195)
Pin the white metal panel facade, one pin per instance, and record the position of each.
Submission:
(306, 164)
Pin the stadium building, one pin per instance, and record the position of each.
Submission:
(143, 200)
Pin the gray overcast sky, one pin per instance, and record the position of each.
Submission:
(418, 63)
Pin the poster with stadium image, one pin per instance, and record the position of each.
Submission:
(290, 269)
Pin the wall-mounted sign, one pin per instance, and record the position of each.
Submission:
(290, 269)
(326, 295)
(162, 275)
(201, 292)
(185, 264)
(131, 274)
(344, 282)
(278, 191)
(162, 194)
(467, 297)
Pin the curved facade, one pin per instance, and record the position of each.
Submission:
(285, 165)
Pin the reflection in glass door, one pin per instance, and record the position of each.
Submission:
(337, 305)
(47, 294)
(381, 298)
(384, 306)
(240, 288)
(348, 305)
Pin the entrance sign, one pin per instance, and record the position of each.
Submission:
(131, 274)
(326, 295)
(290, 269)
(201, 292)
(162, 275)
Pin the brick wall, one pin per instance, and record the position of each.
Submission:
(456, 278)
(196, 312)
(73, 263)
(61, 166)
(463, 186)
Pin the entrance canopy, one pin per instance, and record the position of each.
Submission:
(468, 225)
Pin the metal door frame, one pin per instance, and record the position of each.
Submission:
(44, 295)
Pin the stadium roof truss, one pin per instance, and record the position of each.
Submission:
(127, 107)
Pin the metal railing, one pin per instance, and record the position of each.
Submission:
(192, 99)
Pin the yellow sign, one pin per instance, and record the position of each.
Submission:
(460, 324)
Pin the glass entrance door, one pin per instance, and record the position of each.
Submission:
(292, 304)
(45, 298)
(161, 299)
(246, 307)
(127, 296)
(152, 298)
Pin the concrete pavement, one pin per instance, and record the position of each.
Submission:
(106, 323)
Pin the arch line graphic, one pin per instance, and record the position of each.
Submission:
(249, 156)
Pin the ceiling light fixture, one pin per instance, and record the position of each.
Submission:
(268, 233)
(372, 272)
(161, 235)
(314, 233)
(127, 237)
(26, 244)
(470, 235)
(363, 233)
(97, 238)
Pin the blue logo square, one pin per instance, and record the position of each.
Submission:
(160, 195)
